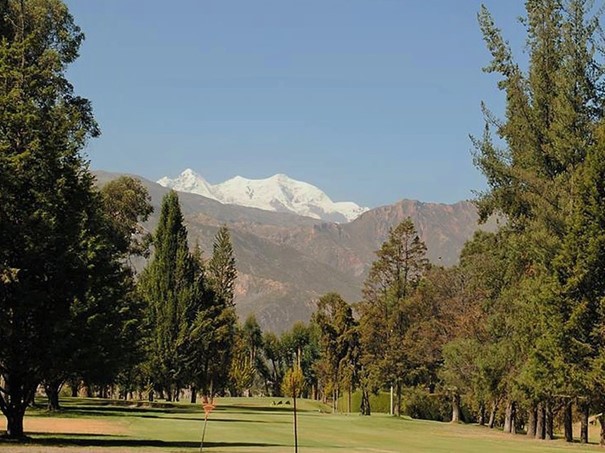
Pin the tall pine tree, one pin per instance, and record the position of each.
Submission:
(46, 195)
(399, 267)
(167, 284)
(221, 267)
(535, 181)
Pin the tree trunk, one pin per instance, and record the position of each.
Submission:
(455, 408)
(350, 402)
(508, 417)
(74, 386)
(150, 395)
(532, 415)
(16, 396)
(365, 402)
(492, 415)
(568, 422)
(481, 414)
(549, 423)
(584, 409)
(52, 392)
(14, 424)
(193, 394)
(333, 401)
(540, 421)
(398, 400)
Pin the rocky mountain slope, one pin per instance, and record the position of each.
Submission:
(279, 193)
(287, 261)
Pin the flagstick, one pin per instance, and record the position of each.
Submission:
(208, 407)
(295, 427)
(204, 432)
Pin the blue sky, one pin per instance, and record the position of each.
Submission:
(370, 100)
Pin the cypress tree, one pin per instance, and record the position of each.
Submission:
(167, 285)
(211, 333)
(221, 267)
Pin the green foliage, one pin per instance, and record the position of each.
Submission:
(548, 314)
(294, 382)
(168, 285)
(300, 347)
(221, 267)
(241, 374)
(338, 364)
(420, 404)
(384, 320)
(380, 402)
(275, 357)
(127, 204)
(211, 337)
(47, 235)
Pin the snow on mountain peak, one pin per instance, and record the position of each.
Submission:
(277, 193)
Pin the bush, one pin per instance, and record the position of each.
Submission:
(415, 402)
(418, 403)
(379, 403)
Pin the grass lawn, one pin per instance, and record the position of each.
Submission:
(256, 425)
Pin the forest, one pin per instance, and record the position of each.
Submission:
(512, 337)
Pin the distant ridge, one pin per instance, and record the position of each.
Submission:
(286, 261)
(279, 193)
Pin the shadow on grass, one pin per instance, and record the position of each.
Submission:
(96, 441)
(109, 411)
(212, 419)
(284, 408)
(150, 412)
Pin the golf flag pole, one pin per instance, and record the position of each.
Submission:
(208, 407)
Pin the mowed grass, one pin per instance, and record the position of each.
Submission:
(256, 425)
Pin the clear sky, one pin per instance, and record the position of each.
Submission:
(370, 100)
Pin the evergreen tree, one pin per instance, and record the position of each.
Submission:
(102, 336)
(211, 337)
(167, 284)
(46, 195)
(548, 131)
(393, 277)
(221, 267)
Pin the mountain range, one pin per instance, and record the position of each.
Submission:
(287, 261)
(279, 193)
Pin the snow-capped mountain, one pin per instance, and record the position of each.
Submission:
(278, 193)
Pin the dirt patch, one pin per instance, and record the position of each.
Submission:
(72, 426)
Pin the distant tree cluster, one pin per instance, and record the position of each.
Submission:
(189, 327)
(513, 336)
